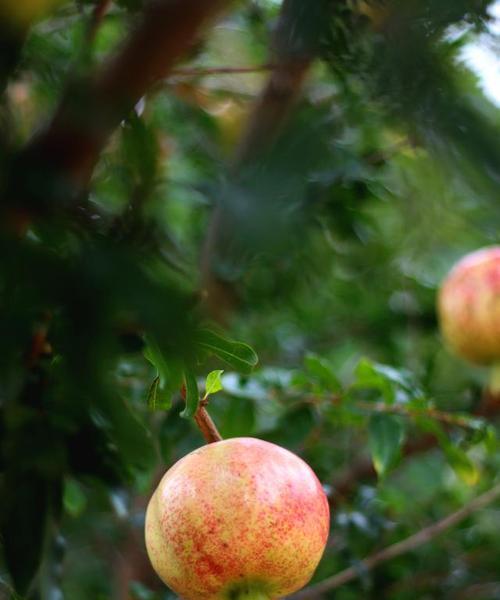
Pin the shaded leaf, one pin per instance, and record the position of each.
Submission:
(126, 431)
(238, 355)
(168, 380)
(395, 385)
(74, 499)
(25, 512)
(386, 435)
(192, 394)
(322, 372)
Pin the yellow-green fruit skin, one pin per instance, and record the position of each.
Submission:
(237, 517)
(469, 307)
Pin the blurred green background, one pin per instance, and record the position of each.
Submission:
(325, 216)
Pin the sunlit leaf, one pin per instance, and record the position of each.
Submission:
(213, 383)
(463, 466)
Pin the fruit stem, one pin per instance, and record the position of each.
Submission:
(251, 595)
(206, 425)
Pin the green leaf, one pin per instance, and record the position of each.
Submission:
(167, 381)
(192, 394)
(74, 498)
(153, 398)
(395, 385)
(491, 440)
(367, 376)
(24, 525)
(213, 383)
(386, 435)
(238, 355)
(127, 432)
(464, 467)
(323, 372)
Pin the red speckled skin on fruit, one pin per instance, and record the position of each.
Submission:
(241, 511)
(469, 307)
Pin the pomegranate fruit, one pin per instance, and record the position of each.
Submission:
(469, 307)
(240, 518)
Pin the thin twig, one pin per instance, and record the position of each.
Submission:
(39, 345)
(459, 420)
(204, 420)
(433, 413)
(407, 545)
(90, 111)
(362, 468)
(267, 120)
(206, 71)
(98, 14)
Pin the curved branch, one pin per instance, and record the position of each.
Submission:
(407, 545)
(70, 145)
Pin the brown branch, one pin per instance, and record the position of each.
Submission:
(69, 147)
(432, 413)
(98, 14)
(407, 545)
(267, 119)
(490, 403)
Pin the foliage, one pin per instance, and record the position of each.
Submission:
(334, 234)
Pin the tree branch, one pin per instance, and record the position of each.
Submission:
(432, 413)
(407, 545)
(98, 14)
(293, 56)
(362, 468)
(70, 145)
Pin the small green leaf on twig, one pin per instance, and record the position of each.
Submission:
(213, 383)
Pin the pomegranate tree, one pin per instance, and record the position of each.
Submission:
(469, 309)
(239, 518)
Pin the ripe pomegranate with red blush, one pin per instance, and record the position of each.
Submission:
(240, 518)
(469, 309)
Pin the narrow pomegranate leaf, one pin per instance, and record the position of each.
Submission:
(192, 394)
(238, 355)
(386, 436)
